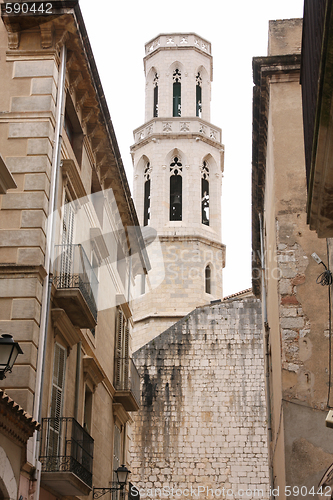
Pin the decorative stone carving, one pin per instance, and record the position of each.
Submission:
(64, 327)
(212, 134)
(167, 127)
(46, 35)
(75, 82)
(62, 40)
(14, 37)
(86, 114)
(185, 127)
(92, 370)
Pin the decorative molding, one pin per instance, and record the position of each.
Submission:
(6, 179)
(87, 113)
(64, 327)
(46, 35)
(120, 414)
(122, 302)
(75, 82)
(62, 40)
(93, 371)
(75, 184)
(70, 61)
(80, 101)
(14, 37)
(96, 235)
(15, 422)
(167, 127)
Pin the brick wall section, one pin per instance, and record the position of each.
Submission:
(202, 419)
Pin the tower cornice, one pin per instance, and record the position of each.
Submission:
(178, 41)
(176, 128)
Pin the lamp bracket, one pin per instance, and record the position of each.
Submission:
(99, 492)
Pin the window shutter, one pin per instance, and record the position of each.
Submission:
(126, 355)
(118, 347)
(58, 383)
(116, 450)
(67, 242)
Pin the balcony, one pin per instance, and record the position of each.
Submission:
(66, 456)
(76, 285)
(127, 384)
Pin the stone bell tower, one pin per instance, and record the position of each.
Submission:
(178, 164)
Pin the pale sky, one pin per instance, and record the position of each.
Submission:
(238, 31)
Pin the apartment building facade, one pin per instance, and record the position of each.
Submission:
(69, 252)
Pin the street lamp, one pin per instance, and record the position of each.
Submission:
(122, 475)
(9, 350)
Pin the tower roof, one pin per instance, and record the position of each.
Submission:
(179, 41)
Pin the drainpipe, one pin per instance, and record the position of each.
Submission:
(77, 380)
(129, 277)
(267, 361)
(47, 284)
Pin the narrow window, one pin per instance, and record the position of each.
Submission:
(176, 189)
(205, 194)
(176, 93)
(73, 129)
(198, 95)
(121, 376)
(208, 280)
(57, 396)
(88, 400)
(146, 208)
(155, 83)
(67, 249)
(116, 452)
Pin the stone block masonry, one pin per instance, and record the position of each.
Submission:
(202, 422)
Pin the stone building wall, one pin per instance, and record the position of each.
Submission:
(297, 307)
(202, 417)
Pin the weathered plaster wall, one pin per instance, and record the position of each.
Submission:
(202, 419)
(297, 307)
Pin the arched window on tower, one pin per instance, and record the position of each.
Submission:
(155, 83)
(198, 95)
(208, 284)
(205, 194)
(146, 207)
(177, 105)
(176, 169)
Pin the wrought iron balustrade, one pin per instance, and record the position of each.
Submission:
(127, 377)
(72, 269)
(67, 447)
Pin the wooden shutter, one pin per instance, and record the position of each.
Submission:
(58, 384)
(126, 355)
(118, 348)
(67, 242)
(116, 450)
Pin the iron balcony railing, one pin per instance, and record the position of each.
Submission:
(72, 269)
(127, 377)
(67, 447)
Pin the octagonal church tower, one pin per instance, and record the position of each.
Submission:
(178, 163)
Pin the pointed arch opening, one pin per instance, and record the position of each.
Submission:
(155, 102)
(198, 95)
(208, 279)
(146, 206)
(205, 193)
(176, 188)
(177, 98)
